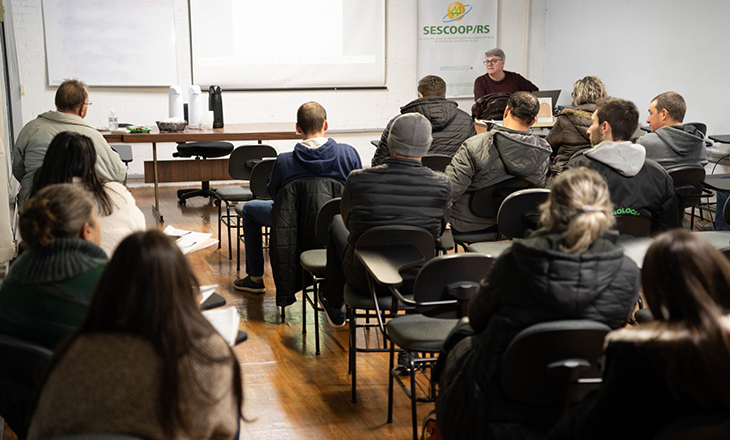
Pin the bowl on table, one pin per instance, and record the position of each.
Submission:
(171, 127)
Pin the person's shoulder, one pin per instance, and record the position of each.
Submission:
(648, 139)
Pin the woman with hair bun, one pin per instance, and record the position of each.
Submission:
(71, 158)
(568, 135)
(145, 361)
(568, 269)
(48, 287)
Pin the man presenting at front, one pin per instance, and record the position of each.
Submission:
(497, 79)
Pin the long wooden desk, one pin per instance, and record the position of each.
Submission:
(260, 131)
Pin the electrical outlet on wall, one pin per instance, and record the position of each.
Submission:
(22, 90)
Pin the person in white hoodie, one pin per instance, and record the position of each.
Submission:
(671, 143)
(638, 185)
(72, 103)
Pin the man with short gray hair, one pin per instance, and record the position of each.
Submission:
(672, 143)
(498, 80)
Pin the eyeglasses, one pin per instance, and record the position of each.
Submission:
(87, 103)
(492, 61)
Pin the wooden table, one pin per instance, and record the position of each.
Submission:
(258, 131)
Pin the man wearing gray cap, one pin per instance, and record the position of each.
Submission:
(400, 192)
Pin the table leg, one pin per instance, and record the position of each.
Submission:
(156, 207)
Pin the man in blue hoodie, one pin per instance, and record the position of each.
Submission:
(315, 156)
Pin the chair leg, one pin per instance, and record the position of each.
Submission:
(390, 383)
(283, 314)
(351, 316)
(304, 302)
(228, 222)
(238, 243)
(414, 397)
(219, 227)
(315, 290)
(353, 355)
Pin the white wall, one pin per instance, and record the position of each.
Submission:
(367, 109)
(643, 48)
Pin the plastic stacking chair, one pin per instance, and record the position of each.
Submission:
(240, 166)
(441, 295)
(720, 239)
(314, 263)
(370, 304)
(257, 183)
(436, 162)
(519, 213)
(689, 188)
(22, 367)
(201, 150)
(485, 203)
(547, 363)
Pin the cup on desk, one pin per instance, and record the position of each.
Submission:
(208, 120)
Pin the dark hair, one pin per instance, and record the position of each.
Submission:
(432, 85)
(71, 95)
(686, 281)
(311, 117)
(621, 114)
(149, 290)
(57, 211)
(673, 103)
(524, 106)
(72, 155)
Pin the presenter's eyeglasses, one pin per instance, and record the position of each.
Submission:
(87, 103)
(492, 61)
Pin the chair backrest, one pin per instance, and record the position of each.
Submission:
(260, 178)
(22, 363)
(485, 202)
(633, 225)
(437, 162)
(326, 213)
(688, 184)
(454, 277)
(701, 126)
(395, 236)
(244, 158)
(520, 212)
(726, 211)
(543, 360)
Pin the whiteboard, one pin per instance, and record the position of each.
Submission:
(294, 44)
(110, 43)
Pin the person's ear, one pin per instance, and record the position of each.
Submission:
(506, 113)
(326, 126)
(534, 120)
(420, 95)
(86, 231)
(298, 128)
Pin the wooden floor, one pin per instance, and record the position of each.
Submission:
(290, 392)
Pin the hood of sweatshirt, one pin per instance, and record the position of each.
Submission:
(682, 139)
(316, 160)
(625, 157)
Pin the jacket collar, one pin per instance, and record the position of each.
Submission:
(402, 162)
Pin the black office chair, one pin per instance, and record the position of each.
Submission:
(441, 294)
(240, 165)
(436, 162)
(22, 366)
(201, 150)
(553, 363)
(125, 154)
(689, 188)
(485, 203)
(519, 213)
(314, 263)
(257, 184)
(370, 303)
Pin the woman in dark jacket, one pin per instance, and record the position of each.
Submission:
(568, 135)
(675, 368)
(566, 270)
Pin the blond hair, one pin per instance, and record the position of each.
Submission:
(579, 201)
(588, 90)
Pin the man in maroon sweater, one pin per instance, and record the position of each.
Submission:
(499, 80)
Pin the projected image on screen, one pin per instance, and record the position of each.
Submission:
(288, 43)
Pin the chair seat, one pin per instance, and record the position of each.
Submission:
(719, 239)
(205, 149)
(234, 193)
(360, 300)
(419, 333)
(492, 248)
(314, 261)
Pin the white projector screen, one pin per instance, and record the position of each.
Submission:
(297, 44)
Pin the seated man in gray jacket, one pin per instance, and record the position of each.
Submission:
(499, 154)
(449, 125)
(671, 143)
(72, 103)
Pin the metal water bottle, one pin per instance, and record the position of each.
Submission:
(215, 104)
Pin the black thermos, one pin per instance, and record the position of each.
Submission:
(215, 104)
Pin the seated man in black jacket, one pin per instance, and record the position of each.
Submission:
(449, 125)
(638, 185)
(401, 191)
